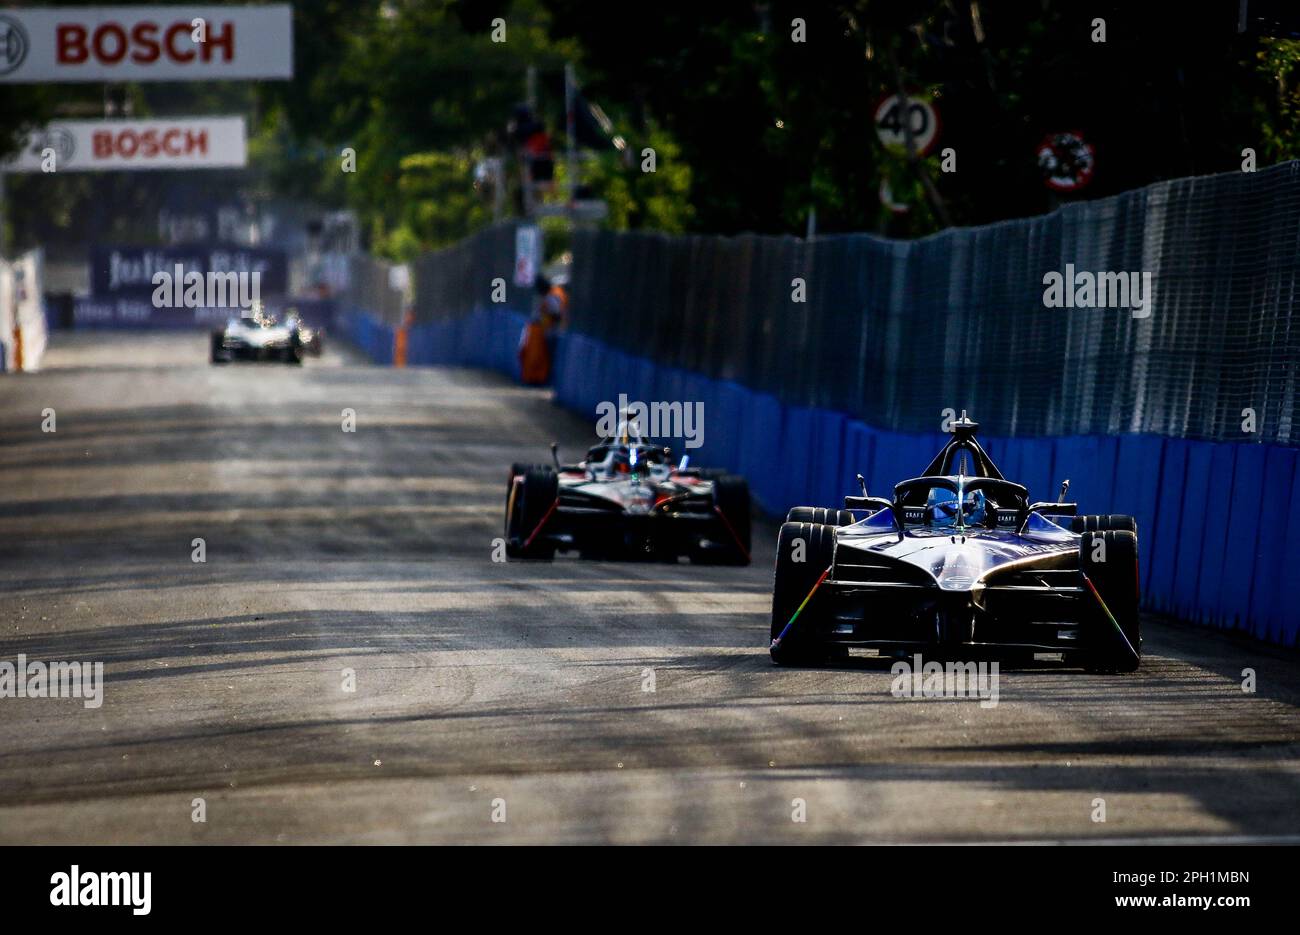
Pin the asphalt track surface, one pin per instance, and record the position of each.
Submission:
(482, 687)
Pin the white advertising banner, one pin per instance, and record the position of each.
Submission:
(528, 254)
(145, 43)
(102, 145)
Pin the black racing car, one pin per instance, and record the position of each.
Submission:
(958, 564)
(627, 500)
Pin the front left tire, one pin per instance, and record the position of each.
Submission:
(804, 551)
(820, 514)
(528, 502)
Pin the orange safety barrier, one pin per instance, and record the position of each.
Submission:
(400, 338)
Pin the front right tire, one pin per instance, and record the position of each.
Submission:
(1103, 521)
(1109, 559)
(731, 499)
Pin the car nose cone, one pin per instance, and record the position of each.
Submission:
(956, 563)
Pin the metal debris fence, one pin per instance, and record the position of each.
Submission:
(894, 332)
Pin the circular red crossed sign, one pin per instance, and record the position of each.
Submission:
(1066, 160)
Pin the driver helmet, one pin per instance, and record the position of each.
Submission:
(941, 506)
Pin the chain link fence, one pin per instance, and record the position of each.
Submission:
(457, 280)
(370, 287)
(896, 332)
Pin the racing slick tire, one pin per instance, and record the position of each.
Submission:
(518, 469)
(822, 515)
(1112, 569)
(521, 467)
(731, 499)
(216, 352)
(793, 583)
(1102, 522)
(532, 501)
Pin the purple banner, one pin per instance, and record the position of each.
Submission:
(128, 272)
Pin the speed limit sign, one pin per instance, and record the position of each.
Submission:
(917, 111)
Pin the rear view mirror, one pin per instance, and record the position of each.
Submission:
(866, 503)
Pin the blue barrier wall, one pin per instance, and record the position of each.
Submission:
(487, 338)
(1216, 520)
(367, 333)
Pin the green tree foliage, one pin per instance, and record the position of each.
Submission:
(421, 92)
(22, 109)
(639, 198)
(752, 130)
(435, 205)
(1278, 113)
(771, 126)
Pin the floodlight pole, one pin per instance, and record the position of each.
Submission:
(570, 125)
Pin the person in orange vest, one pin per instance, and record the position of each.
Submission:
(537, 344)
(555, 302)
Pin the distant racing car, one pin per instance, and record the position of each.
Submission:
(626, 499)
(958, 563)
(259, 335)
